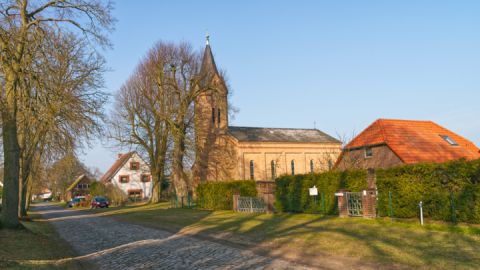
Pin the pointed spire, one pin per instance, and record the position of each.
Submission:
(208, 63)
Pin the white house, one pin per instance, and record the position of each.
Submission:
(131, 174)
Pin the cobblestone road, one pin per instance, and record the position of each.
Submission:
(111, 244)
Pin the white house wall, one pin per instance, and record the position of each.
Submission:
(135, 177)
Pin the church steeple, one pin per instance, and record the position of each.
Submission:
(209, 68)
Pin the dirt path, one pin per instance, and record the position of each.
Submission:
(112, 244)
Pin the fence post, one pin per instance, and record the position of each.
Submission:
(421, 212)
(323, 203)
(251, 204)
(390, 205)
(452, 206)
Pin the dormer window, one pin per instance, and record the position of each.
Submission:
(368, 152)
(134, 166)
(449, 140)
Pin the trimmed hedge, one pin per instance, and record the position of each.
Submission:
(437, 185)
(292, 194)
(219, 195)
(449, 191)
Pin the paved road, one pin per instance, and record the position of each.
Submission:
(111, 244)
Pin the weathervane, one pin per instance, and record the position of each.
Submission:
(208, 38)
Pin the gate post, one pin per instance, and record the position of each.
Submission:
(369, 203)
(342, 202)
(236, 196)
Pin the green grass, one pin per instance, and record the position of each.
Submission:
(321, 241)
(37, 246)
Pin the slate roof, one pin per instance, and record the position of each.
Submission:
(117, 165)
(416, 141)
(258, 134)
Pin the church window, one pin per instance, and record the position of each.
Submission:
(252, 173)
(213, 115)
(311, 165)
(218, 116)
(273, 164)
(292, 164)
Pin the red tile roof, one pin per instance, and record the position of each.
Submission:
(116, 166)
(416, 141)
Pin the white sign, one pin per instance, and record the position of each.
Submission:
(339, 194)
(313, 191)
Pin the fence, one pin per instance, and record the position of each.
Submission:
(251, 205)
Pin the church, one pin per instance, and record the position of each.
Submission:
(227, 152)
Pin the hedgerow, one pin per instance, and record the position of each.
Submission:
(219, 195)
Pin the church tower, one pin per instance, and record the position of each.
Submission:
(211, 113)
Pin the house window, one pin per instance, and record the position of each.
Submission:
(449, 140)
(145, 178)
(292, 164)
(213, 115)
(134, 165)
(273, 165)
(368, 152)
(135, 195)
(123, 178)
(252, 173)
(311, 166)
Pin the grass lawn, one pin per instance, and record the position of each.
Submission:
(35, 247)
(322, 241)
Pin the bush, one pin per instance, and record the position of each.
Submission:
(437, 185)
(219, 195)
(292, 193)
(113, 193)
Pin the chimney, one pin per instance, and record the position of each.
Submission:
(119, 155)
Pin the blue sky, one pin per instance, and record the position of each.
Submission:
(341, 64)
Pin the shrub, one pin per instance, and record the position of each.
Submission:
(292, 193)
(114, 194)
(219, 195)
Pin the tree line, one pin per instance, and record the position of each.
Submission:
(51, 76)
(52, 102)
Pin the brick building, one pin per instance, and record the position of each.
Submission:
(386, 143)
(227, 152)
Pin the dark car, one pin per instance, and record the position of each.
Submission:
(76, 201)
(99, 202)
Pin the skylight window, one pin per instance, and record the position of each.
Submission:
(449, 140)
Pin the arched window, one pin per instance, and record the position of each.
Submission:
(292, 163)
(213, 115)
(252, 173)
(218, 116)
(311, 166)
(273, 164)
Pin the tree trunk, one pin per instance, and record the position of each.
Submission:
(11, 173)
(179, 178)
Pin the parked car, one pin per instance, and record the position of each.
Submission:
(76, 201)
(99, 202)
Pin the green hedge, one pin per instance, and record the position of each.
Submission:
(219, 195)
(449, 191)
(437, 185)
(292, 191)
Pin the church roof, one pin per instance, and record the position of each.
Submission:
(258, 134)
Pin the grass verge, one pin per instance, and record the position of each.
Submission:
(322, 241)
(37, 246)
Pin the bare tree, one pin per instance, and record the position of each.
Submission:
(23, 27)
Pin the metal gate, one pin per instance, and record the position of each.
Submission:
(251, 205)
(354, 204)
